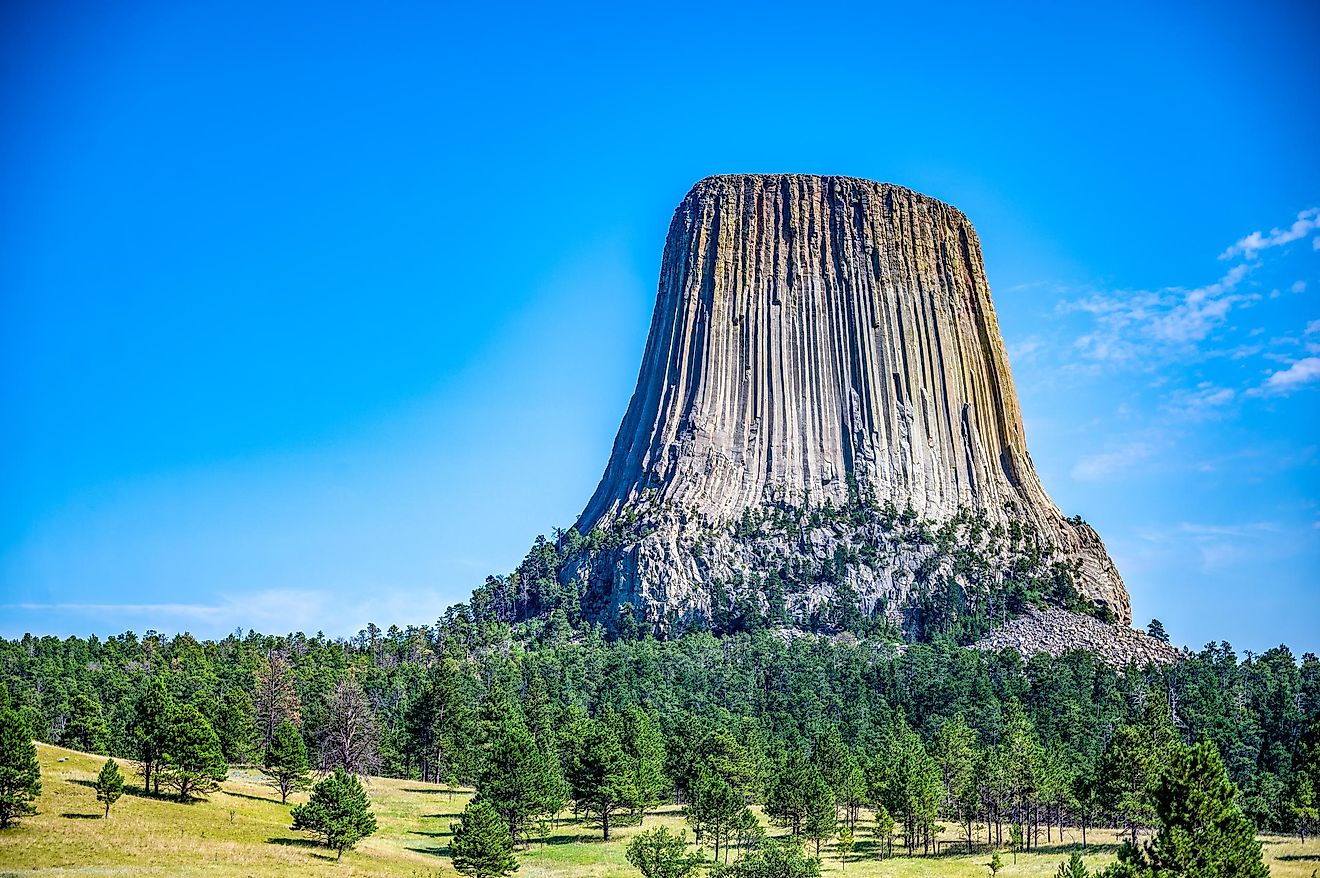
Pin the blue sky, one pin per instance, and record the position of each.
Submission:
(315, 315)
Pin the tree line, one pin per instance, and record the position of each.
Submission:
(544, 716)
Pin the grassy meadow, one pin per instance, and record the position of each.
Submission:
(243, 830)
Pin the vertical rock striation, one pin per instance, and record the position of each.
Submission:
(817, 342)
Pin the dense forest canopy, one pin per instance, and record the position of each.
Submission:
(432, 699)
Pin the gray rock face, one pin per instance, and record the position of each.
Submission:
(1054, 632)
(818, 341)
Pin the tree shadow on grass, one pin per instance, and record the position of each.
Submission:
(301, 843)
(72, 816)
(133, 790)
(455, 815)
(253, 798)
(1303, 858)
(873, 851)
(441, 792)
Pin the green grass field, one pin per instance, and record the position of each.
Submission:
(243, 830)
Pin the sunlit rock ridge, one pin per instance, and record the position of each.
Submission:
(825, 413)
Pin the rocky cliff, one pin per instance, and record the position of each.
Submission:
(824, 419)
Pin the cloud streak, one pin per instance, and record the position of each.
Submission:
(1307, 221)
(1300, 374)
(268, 610)
(1096, 467)
(1134, 325)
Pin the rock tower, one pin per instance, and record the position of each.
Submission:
(824, 413)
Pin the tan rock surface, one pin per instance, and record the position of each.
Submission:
(814, 336)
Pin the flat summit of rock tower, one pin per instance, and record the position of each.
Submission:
(825, 429)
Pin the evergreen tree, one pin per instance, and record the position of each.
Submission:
(86, 729)
(482, 845)
(1202, 832)
(1156, 629)
(285, 760)
(844, 845)
(192, 762)
(831, 758)
(338, 811)
(1302, 805)
(659, 853)
(151, 730)
(20, 774)
(235, 726)
(821, 817)
(852, 795)
(1128, 771)
(785, 797)
(519, 779)
(884, 829)
(109, 785)
(774, 858)
(599, 773)
(437, 724)
(1022, 761)
(716, 810)
(644, 748)
(1073, 868)
(907, 782)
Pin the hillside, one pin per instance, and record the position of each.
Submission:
(243, 830)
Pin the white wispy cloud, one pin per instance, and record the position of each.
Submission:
(268, 610)
(1132, 325)
(1300, 374)
(1307, 222)
(1095, 467)
(1202, 403)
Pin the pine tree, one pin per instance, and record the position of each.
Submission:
(482, 846)
(151, 730)
(908, 783)
(1302, 805)
(659, 853)
(1156, 629)
(192, 763)
(644, 748)
(235, 726)
(518, 779)
(338, 811)
(884, 829)
(20, 774)
(821, 817)
(109, 785)
(844, 845)
(286, 760)
(1202, 832)
(86, 729)
(852, 795)
(1127, 773)
(785, 796)
(716, 810)
(1073, 868)
(599, 774)
(774, 858)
